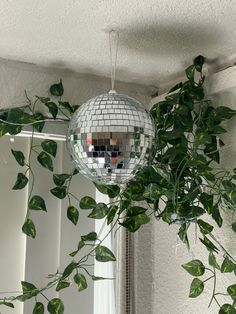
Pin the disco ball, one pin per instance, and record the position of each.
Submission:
(110, 138)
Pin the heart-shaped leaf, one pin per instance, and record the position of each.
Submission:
(45, 160)
(81, 282)
(29, 229)
(38, 308)
(55, 306)
(194, 268)
(196, 288)
(50, 147)
(19, 157)
(57, 89)
(103, 254)
(73, 214)
(87, 202)
(21, 182)
(59, 191)
(37, 203)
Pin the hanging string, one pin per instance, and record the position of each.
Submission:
(113, 43)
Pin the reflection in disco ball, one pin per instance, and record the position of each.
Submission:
(110, 138)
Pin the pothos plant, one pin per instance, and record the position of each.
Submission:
(182, 185)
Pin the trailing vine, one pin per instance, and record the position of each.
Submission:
(184, 183)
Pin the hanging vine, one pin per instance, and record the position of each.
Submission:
(183, 185)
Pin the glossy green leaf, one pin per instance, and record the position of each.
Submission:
(81, 281)
(216, 215)
(227, 266)
(205, 227)
(8, 304)
(55, 306)
(60, 179)
(45, 160)
(227, 309)
(91, 237)
(135, 222)
(190, 72)
(62, 285)
(198, 63)
(209, 245)
(59, 191)
(234, 226)
(99, 212)
(66, 105)
(38, 308)
(111, 213)
(212, 261)
(50, 147)
(37, 203)
(110, 190)
(73, 214)
(19, 157)
(57, 89)
(135, 210)
(196, 288)
(79, 247)
(52, 107)
(29, 229)
(87, 202)
(29, 291)
(195, 268)
(39, 117)
(96, 278)
(68, 270)
(21, 182)
(232, 291)
(103, 254)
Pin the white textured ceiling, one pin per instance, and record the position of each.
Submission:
(157, 37)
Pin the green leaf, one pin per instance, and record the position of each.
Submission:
(227, 309)
(29, 229)
(216, 215)
(196, 288)
(135, 210)
(19, 157)
(55, 306)
(195, 268)
(95, 278)
(205, 227)
(183, 233)
(198, 63)
(57, 89)
(52, 107)
(29, 291)
(73, 214)
(99, 212)
(87, 202)
(38, 308)
(207, 201)
(66, 105)
(209, 245)
(50, 147)
(134, 223)
(43, 100)
(111, 190)
(103, 254)
(91, 237)
(62, 285)
(227, 266)
(232, 291)
(81, 282)
(111, 214)
(60, 179)
(8, 304)
(234, 226)
(190, 72)
(21, 182)
(223, 113)
(39, 117)
(37, 203)
(68, 270)
(80, 246)
(45, 160)
(59, 191)
(212, 261)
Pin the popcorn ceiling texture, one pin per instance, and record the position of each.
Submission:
(157, 37)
